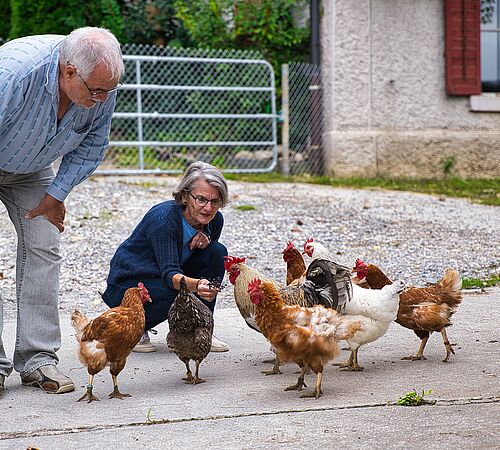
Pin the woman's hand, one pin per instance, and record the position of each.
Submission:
(206, 290)
(200, 240)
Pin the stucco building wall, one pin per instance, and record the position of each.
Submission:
(386, 108)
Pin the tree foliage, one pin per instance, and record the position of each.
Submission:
(152, 22)
(269, 26)
(5, 22)
(30, 17)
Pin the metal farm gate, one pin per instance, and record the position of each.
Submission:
(183, 105)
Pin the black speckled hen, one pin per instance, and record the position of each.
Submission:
(191, 325)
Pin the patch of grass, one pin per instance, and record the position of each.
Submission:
(245, 208)
(143, 184)
(414, 399)
(471, 283)
(105, 214)
(484, 191)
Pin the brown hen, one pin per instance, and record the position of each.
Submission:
(421, 309)
(109, 338)
(306, 336)
(295, 265)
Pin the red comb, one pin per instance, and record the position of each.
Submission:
(289, 246)
(360, 263)
(253, 284)
(143, 292)
(230, 260)
(308, 242)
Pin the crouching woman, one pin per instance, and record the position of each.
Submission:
(176, 238)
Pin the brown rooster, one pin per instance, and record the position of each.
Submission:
(109, 338)
(295, 265)
(422, 310)
(191, 325)
(306, 336)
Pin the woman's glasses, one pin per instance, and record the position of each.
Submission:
(202, 201)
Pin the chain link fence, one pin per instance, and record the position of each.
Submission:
(303, 119)
(180, 105)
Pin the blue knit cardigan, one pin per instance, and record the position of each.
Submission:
(154, 249)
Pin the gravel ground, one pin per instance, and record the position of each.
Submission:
(413, 237)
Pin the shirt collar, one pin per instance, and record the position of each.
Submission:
(52, 76)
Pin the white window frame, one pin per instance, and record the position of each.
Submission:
(487, 101)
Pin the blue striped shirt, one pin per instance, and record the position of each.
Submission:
(30, 136)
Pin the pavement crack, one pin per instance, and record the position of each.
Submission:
(151, 422)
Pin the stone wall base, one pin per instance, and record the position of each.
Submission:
(419, 154)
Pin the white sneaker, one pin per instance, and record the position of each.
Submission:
(218, 346)
(144, 345)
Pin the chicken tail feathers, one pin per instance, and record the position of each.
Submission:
(328, 284)
(78, 321)
(451, 284)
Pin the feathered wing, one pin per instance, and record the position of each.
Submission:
(241, 297)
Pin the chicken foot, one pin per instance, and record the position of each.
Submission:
(116, 392)
(317, 391)
(300, 382)
(189, 375)
(351, 363)
(197, 379)
(88, 393)
(276, 368)
(449, 347)
(420, 353)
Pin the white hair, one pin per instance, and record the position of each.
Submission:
(200, 170)
(87, 47)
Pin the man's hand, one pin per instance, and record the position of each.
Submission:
(50, 208)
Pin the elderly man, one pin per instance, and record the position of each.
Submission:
(57, 96)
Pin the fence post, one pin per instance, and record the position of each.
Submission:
(285, 104)
(140, 132)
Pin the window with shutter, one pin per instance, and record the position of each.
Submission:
(462, 46)
(490, 45)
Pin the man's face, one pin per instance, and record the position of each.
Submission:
(87, 91)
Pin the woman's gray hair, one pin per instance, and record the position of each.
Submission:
(87, 47)
(204, 171)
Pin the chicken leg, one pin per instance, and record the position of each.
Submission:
(189, 375)
(197, 379)
(88, 393)
(420, 353)
(449, 347)
(352, 362)
(317, 391)
(276, 368)
(116, 392)
(300, 382)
